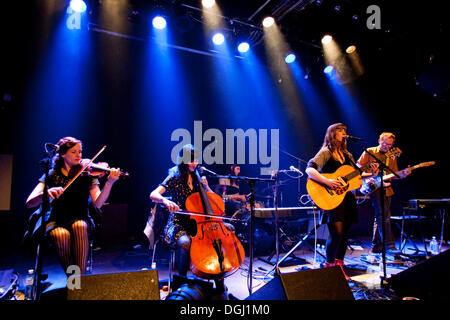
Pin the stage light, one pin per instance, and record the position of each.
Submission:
(243, 47)
(218, 38)
(78, 5)
(290, 58)
(159, 22)
(268, 21)
(328, 70)
(327, 39)
(208, 3)
(350, 49)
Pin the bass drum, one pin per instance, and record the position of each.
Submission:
(263, 233)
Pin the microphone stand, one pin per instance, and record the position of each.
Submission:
(382, 199)
(251, 181)
(45, 207)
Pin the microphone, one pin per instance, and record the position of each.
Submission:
(292, 168)
(203, 169)
(353, 138)
(50, 147)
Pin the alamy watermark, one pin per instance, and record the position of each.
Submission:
(374, 20)
(74, 280)
(230, 148)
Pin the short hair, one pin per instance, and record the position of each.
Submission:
(387, 135)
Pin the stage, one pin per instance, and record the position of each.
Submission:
(132, 82)
(360, 265)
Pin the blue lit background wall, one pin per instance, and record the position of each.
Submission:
(131, 95)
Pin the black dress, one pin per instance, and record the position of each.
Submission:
(347, 210)
(178, 224)
(73, 204)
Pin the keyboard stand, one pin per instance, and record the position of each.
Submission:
(404, 237)
(277, 265)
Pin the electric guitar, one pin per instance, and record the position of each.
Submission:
(326, 198)
(369, 185)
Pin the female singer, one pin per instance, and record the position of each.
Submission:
(180, 185)
(330, 157)
(67, 221)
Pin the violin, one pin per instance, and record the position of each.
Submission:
(99, 170)
(215, 250)
(88, 163)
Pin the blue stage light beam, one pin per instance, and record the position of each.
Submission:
(218, 38)
(159, 22)
(290, 58)
(78, 6)
(243, 47)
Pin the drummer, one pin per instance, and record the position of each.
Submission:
(229, 189)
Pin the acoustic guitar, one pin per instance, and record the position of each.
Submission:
(370, 185)
(326, 198)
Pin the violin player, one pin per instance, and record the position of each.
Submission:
(67, 222)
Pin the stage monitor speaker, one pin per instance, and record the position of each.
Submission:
(315, 284)
(136, 285)
(427, 280)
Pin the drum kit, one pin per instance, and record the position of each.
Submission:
(239, 211)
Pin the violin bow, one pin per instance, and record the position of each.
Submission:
(84, 168)
(189, 213)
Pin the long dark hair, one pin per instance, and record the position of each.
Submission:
(64, 144)
(330, 141)
(187, 154)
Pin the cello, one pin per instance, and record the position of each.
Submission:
(215, 250)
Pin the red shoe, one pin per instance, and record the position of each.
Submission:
(328, 265)
(340, 263)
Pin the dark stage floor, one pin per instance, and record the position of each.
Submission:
(360, 265)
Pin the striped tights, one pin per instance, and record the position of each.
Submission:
(76, 241)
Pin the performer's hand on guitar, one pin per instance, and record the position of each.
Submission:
(333, 183)
(170, 205)
(405, 172)
(55, 192)
(374, 168)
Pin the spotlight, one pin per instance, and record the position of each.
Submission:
(328, 70)
(159, 22)
(337, 8)
(208, 3)
(218, 38)
(78, 5)
(350, 49)
(290, 58)
(327, 39)
(268, 21)
(243, 47)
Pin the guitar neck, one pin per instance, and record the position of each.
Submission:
(391, 175)
(357, 172)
